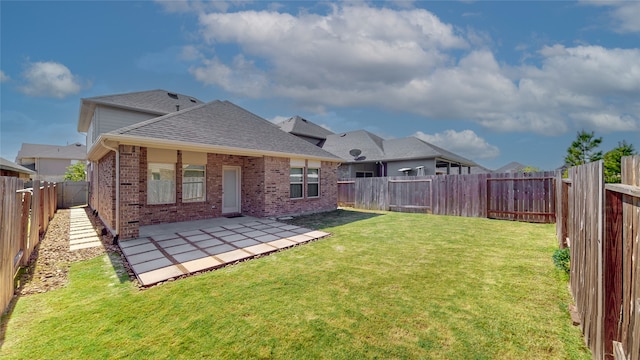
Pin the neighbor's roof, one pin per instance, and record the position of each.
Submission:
(511, 167)
(75, 151)
(374, 148)
(368, 144)
(9, 165)
(413, 148)
(158, 102)
(303, 127)
(218, 126)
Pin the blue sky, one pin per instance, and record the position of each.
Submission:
(493, 81)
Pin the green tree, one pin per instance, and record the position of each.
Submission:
(583, 149)
(612, 160)
(530, 169)
(75, 172)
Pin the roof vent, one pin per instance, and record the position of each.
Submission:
(343, 135)
(355, 152)
(172, 95)
(193, 100)
(177, 107)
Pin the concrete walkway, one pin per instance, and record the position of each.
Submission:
(170, 250)
(82, 235)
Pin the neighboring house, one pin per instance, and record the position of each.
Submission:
(50, 162)
(306, 130)
(512, 167)
(203, 161)
(479, 169)
(367, 155)
(9, 168)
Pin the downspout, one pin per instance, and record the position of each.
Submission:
(116, 235)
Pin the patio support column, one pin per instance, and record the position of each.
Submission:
(129, 214)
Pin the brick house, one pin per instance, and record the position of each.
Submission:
(204, 161)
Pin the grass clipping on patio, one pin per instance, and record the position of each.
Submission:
(387, 285)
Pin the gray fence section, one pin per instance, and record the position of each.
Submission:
(72, 193)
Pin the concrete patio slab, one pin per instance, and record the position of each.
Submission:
(234, 255)
(161, 274)
(282, 243)
(150, 265)
(202, 264)
(260, 249)
(169, 250)
(300, 238)
(215, 250)
(139, 249)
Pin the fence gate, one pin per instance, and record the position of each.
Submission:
(72, 193)
(411, 195)
(522, 199)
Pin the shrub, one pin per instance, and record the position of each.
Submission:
(562, 259)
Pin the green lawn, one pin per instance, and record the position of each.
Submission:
(388, 285)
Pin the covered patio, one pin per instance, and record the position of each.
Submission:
(170, 250)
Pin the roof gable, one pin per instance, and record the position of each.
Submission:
(369, 145)
(158, 102)
(75, 151)
(303, 127)
(222, 124)
(11, 166)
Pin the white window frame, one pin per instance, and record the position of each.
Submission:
(188, 181)
(169, 183)
(296, 183)
(316, 182)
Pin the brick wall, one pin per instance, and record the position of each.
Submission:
(264, 190)
(129, 191)
(277, 197)
(105, 192)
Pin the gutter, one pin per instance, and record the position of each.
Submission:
(117, 231)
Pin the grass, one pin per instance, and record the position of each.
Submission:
(387, 285)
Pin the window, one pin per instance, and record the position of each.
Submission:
(313, 182)
(193, 183)
(296, 182)
(161, 183)
(364, 174)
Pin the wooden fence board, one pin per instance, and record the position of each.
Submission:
(602, 224)
(522, 197)
(21, 218)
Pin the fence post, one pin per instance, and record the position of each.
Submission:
(612, 270)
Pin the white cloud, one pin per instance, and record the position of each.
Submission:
(624, 14)
(408, 60)
(466, 143)
(4, 77)
(49, 79)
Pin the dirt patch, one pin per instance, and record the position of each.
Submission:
(49, 263)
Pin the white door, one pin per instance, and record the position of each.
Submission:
(230, 189)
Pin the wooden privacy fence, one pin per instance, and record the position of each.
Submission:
(72, 193)
(601, 225)
(24, 217)
(519, 196)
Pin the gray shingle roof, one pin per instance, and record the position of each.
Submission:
(303, 127)
(223, 124)
(370, 145)
(511, 167)
(74, 151)
(9, 165)
(374, 148)
(158, 102)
